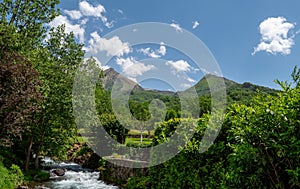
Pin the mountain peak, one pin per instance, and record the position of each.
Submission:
(111, 75)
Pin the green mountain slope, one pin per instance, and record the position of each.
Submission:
(241, 93)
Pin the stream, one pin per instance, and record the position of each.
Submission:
(75, 177)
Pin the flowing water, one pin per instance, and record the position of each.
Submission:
(75, 177)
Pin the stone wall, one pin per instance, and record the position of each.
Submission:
(118, 171)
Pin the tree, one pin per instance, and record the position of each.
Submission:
(113, 127)
(19, 95)
(142, 114)
(56, 58)
(57, 63)
(29, 17)
(171, 114)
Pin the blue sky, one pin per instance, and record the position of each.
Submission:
(231, 30)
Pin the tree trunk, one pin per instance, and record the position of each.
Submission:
(28, 153)
(141, 136)
(37, 153)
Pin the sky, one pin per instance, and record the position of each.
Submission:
(254, 41)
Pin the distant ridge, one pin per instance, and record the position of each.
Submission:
(235, 91)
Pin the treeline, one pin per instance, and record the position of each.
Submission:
(257, 147)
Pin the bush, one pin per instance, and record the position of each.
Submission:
(10, 178)
(138, 183)
(37, 175)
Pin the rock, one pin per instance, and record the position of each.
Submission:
(41, 187)
(52, 174)
(59, 172)
(22, 187)
(92, 162)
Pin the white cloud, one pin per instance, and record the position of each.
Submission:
(179, 66)
(88, 10)
(74, 14)
(75, 28)
(133, 68)
(162, 49)
(176, 26)
(113, 46)
(149, 52)
(179, 69)
(274, 36)
(155, 54)
(84, 21)
(195, 25)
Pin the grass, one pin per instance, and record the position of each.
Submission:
(146, 141)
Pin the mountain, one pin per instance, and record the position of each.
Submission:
(236, 92)
(110, 76)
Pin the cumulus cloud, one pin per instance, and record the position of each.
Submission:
(176, 27)
(133, 68)
(74, 14)
(275, 36)
(180, 69)
(155, 54)
(179, 66)
(149, 52)
(88, 10)
(98, 63)
(84, 21)
(113, 46)
(162, 49)
(195, 24)
(75, 28)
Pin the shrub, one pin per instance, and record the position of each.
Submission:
(10, 178)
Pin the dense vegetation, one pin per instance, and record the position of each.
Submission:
(258, 146)
(36, 76)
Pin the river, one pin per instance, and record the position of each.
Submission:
(75, 177)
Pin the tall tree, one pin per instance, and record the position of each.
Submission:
(29, 17)
(19, 95)
(57, 63)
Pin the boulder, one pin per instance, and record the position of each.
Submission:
(22, 187)
(59, 172)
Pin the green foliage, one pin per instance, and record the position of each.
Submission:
(265, 136)
(36, 175)
(29, 18)
(19, 93)
(171, 114)
(138, 183)
(258, 147)
(137, 144)
(113, 127)
(84, 150)
(10, 178)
